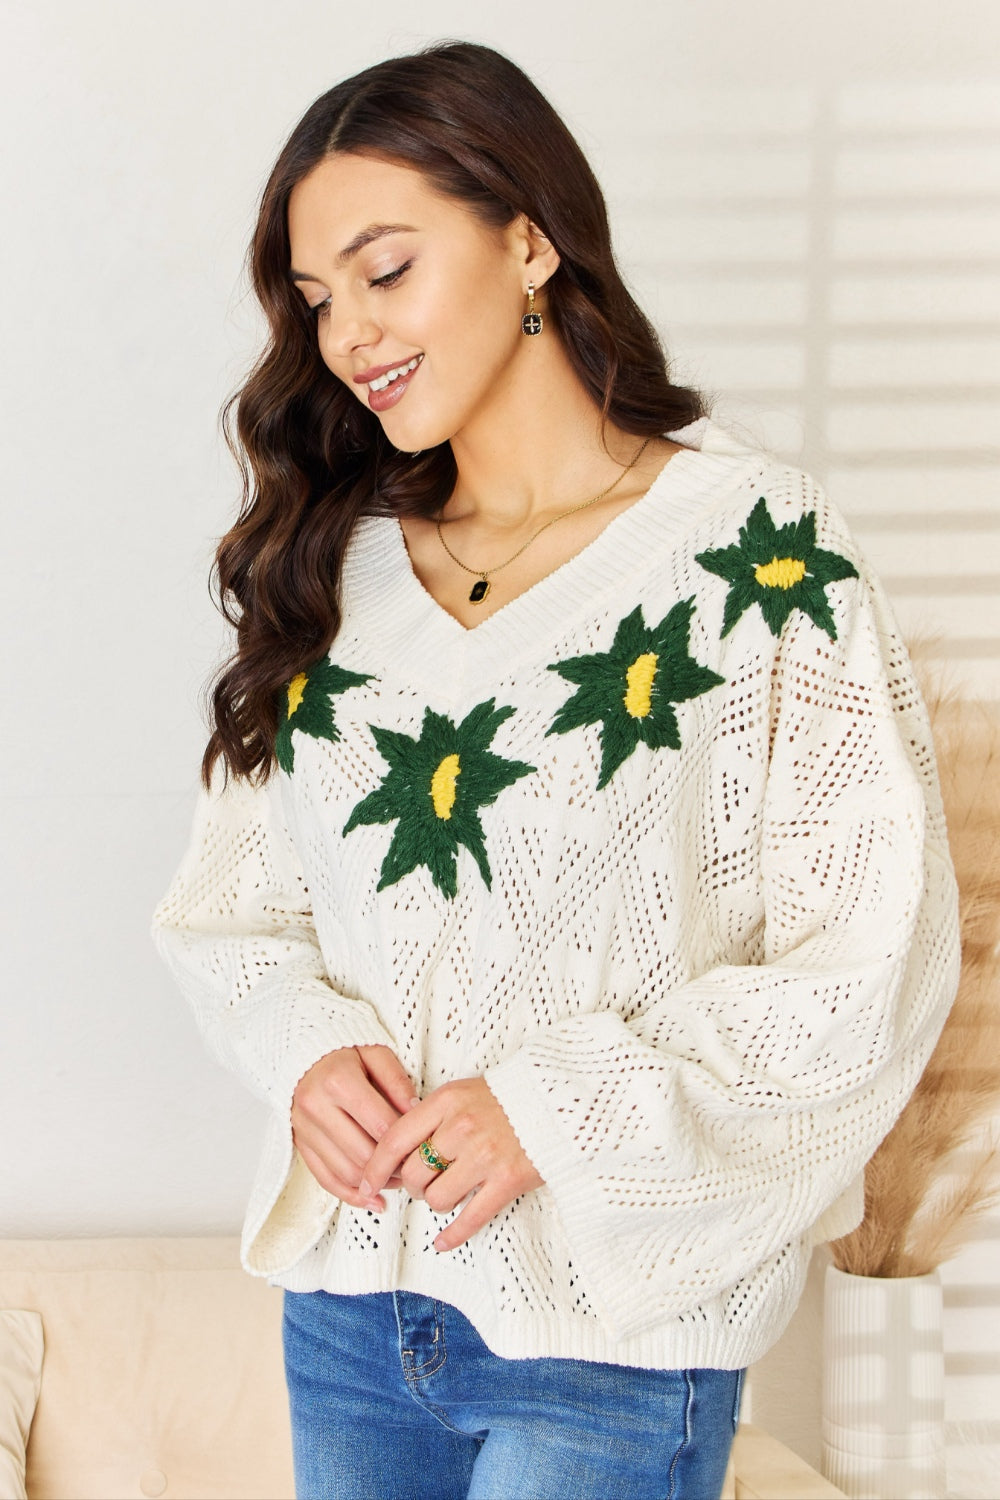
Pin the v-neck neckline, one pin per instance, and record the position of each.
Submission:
(596, 544)
(397, 610)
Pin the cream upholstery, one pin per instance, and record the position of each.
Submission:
(20, 1380)
(162, 1372)
(162, 1376)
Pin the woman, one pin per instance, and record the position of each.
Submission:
(571, 878)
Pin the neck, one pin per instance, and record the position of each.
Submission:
(536, 450)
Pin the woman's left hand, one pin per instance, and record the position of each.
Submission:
(470, 1131)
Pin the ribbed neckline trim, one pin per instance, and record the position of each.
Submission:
(397, 615)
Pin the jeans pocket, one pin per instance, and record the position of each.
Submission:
(737, 1398)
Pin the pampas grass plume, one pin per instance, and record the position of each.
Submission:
(938, 1169)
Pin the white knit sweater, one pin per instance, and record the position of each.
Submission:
(657, 849)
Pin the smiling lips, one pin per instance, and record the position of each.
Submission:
(387, 385)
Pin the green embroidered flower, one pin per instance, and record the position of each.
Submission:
(630, 689)
(435, 786)
(780, 568)
(307, 707)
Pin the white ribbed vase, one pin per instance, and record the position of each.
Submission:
(883, 1386)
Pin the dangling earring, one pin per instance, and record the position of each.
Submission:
(532, 321)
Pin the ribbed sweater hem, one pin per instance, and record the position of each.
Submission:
(700, 1339)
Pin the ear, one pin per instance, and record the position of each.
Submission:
(538, 256)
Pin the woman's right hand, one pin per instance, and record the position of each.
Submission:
(341, 1108)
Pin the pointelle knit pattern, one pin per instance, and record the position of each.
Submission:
(657, 849)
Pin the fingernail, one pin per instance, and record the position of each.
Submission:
(414, 1103)
(365, 1188)
(376, 1205)
(439, 1243)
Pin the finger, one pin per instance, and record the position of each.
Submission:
(336, 1126)
(389, 1076)
(369, 1107)
(398, 1142)
(337, 1186)
(348, 1090)
(309, 1137)
(480, 1209)
(327, 1145)
(447, 1189)
(415, 1177)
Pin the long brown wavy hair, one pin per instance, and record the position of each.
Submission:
(312, 458)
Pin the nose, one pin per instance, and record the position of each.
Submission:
(347, 328)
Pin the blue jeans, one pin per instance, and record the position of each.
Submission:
(394, 1396)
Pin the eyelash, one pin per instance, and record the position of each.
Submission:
(388, 280)
(391, 277)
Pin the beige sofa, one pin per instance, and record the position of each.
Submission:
(162, 1376)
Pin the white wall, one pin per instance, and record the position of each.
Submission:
(808, 201)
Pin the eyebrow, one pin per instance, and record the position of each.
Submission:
(360, 240)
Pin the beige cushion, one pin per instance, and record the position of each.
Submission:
(163, 1371)
(20, 1378)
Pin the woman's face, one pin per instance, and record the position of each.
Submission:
(396, 274)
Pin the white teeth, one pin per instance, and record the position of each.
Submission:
(391, 375)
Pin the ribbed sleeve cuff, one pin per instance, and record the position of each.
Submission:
(287, 1034)
(608, 1261)
(571, 1183)
(288, 1209)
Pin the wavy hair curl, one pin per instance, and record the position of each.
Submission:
(313, 460)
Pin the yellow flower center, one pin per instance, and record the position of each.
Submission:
(443, 786)
(296, 688)
(639, 678)
(780, 572)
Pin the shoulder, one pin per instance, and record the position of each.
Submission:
(744, 491)
(768, 546)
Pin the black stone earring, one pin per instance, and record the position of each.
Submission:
(532, 321)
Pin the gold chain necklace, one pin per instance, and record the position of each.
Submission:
(482, 587)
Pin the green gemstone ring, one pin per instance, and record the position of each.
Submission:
(431, 1157)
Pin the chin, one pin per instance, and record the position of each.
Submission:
(414, 436)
